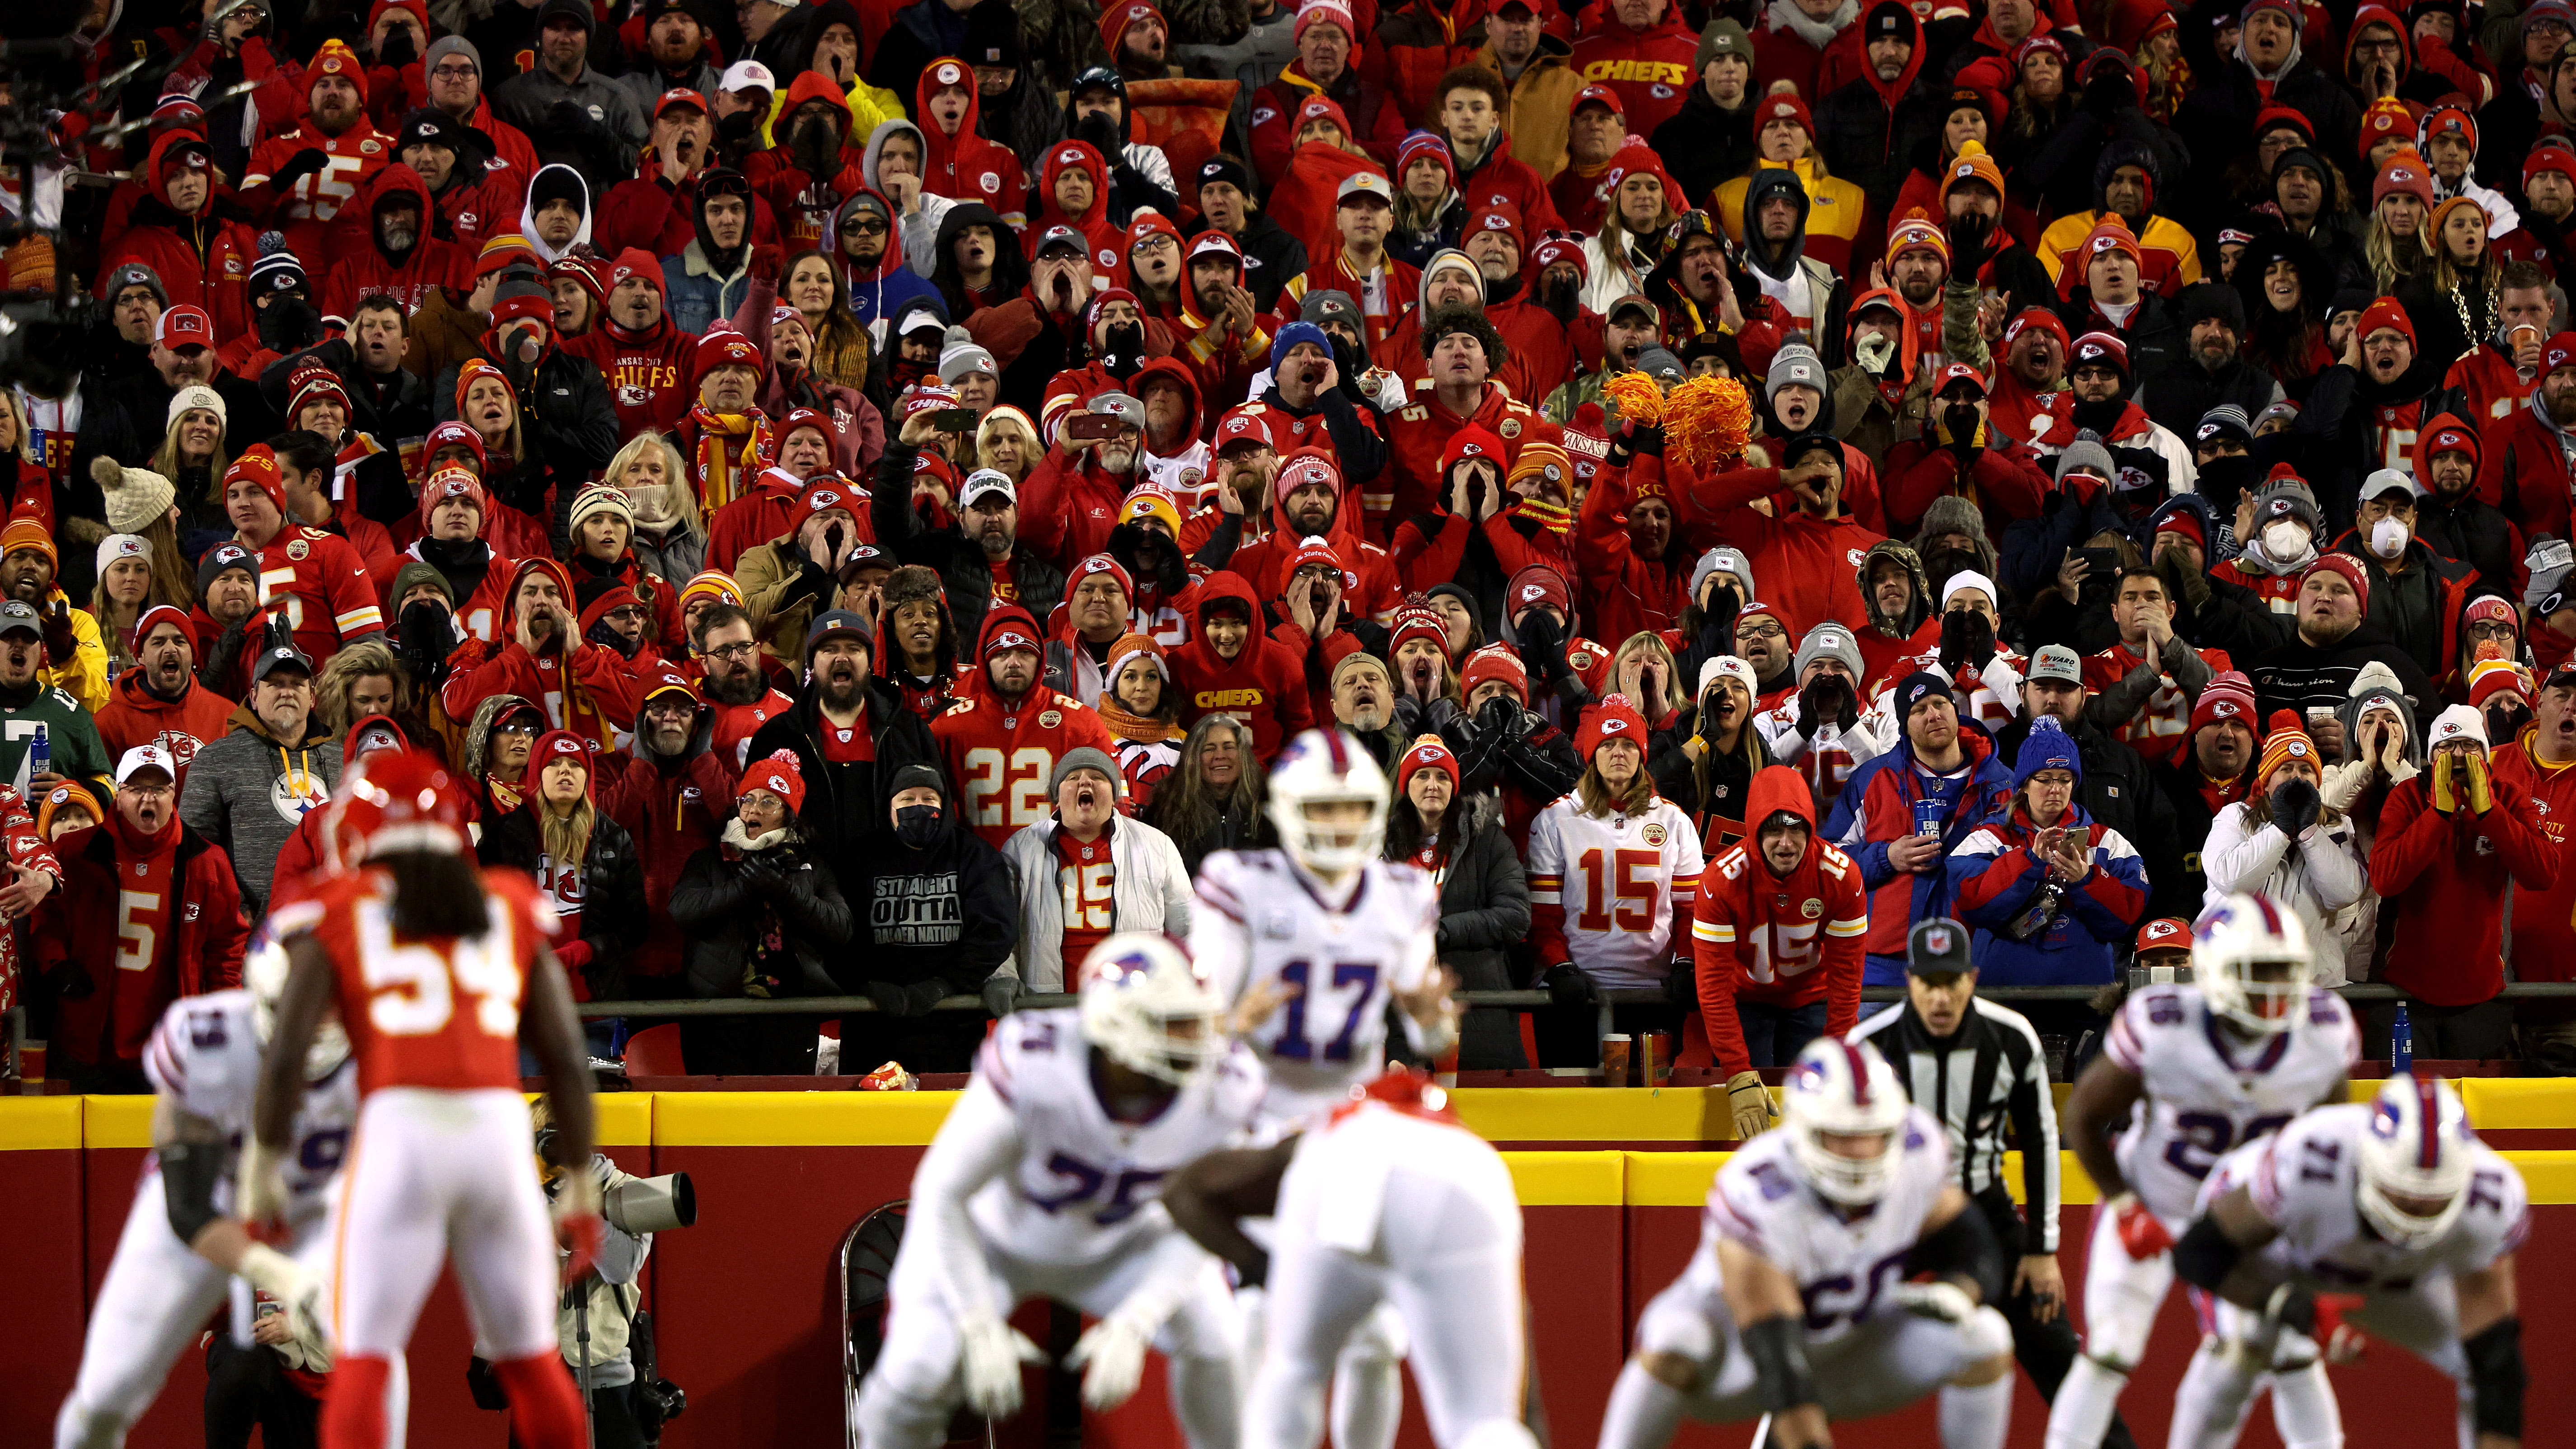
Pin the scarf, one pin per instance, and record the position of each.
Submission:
(768, 966)
(1785, 15)
(1136, 729)
(1554, 517)
(722, 464)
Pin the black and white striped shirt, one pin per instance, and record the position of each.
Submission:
(1988, 1075)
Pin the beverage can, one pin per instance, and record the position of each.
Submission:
(1656, 1063)
(1614, 1059)
(1927, 815)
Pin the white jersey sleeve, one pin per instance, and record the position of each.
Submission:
(1762, 1201)
(204, 1057)
(1218, 936)
(978, 1141)
(2209, 1091)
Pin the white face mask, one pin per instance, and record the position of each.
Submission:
(2387, 537)
(2284, 540)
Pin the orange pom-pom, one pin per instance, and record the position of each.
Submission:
(1640, 401)
(1707, 422)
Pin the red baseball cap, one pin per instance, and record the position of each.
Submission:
(1249, 423)
(185, 326)
(1959, 372)
(1600, 94)
(2165, 933)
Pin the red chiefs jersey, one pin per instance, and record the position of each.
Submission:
(1419, 433)
(438, 1012)
(2159, 727)
(1084, 879)
(737, 723)
(645, 372)
(1002, 756)
(328, 598)
(2392, 435)
(356, 155)
(2490, 382)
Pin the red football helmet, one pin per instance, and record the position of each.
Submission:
(396, 800)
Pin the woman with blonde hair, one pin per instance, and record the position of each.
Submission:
(2453, 302)
(192, 457)
(1007, 442)
(128, 584)
(1643, 669)
(363, 679)
(2394, 241)
(670, 540)
(1613, 870)
(1631, 240)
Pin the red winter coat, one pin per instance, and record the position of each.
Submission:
(1805, 564)
(672, 809)
(203, 261)
(1650, 68)
(359, 266)
(1622, 593)
(966, 167)
(587, 689)
(804, 210)
(2444, 877)
(2004, 482)
(111, 1025)
(1264, 685)
(1416, 44)
(649, 213)
(2522, 470)
(1376, 121)
(1417, 437)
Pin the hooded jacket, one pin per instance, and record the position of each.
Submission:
(1780, 940)
(959, 561)
(948, 911)
(1996, 880)
(247, 792)
(847, 811)
(1108, 241)
(967, 167)
(879, 294)
(1376, 122)
(1807, 288)
(202, 260)
(2444, 876)
(586, 688)
(2468, 529)
(1888, 640)
(2523, 469)
(1002, 751)
(136, 716)
(1263, 685)
(803, 201)
(360, 265)
(2169, 259)
(1869, 129)
(1650, 68)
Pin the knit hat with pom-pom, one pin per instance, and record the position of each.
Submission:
(136, 497)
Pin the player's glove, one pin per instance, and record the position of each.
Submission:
(260, 1195)
(2140, 1233)
(577, 1223)
(1946, 1302)
(1111, 1355)
(1749, 1103)
(297, 1289)
(992, 1352)
(2318, 1315)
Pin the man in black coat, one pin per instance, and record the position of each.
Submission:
(2116, 789)
(564, 412)
(2211, 371)
(985, 528)
(2311, 665)
(1871, 128)
(1711, 137)
(935, 915)
(2268, 69)
(2212, 769)
(2453, 519)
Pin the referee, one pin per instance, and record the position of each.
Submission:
(1978, 1067)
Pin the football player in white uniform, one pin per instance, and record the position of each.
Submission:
(1045, 1181)
(1798, 1305)
(2388, 1216)
(181, 1242)
(2223, 1062)
(1319, 934)
(1387, 1202)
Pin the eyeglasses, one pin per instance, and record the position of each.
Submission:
(631, 614)
(733, 653)
(2490, 629)
(142, 791)
(455, 72)
(1761, 631)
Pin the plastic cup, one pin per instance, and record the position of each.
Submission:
(1614, 1059)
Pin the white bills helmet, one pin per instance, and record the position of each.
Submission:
(1328, 767)
(1843, 1088)
(264, 973)
(2250, 958)
(1145, 1005)
(2415, 1161)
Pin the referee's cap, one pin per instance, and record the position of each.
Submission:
(1937, 945)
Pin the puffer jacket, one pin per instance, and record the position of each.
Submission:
(613, 902)
(1149, 891)
(726, 918)
(1484, 913)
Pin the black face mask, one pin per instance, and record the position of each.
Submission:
(2505, 721)
(2100, 416)
(1960, 421)
(916, 825)
(1126, 349)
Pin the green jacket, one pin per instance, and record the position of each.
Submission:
(71, 737)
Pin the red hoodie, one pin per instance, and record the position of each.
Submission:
(966, 167)
(1108, 243)
(1787, 941)
(136, 716)
(1263, 685)
(804, 210)
(585, 688)
(646, 372)
(1650, 68)
(358, 264)
(1267, 562)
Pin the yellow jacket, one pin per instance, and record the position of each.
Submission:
(85, 678)
(1834, 209)
(2171, 259)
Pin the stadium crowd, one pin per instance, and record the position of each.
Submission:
(861, 490)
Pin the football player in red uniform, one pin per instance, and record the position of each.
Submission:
(439, 971)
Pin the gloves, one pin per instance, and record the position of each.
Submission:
(296, 1288)
(1643, 439)
(70, 981)
(398, 49)
(1114, 1350)
(1542, 648)
(60, 642)
(1971, 241)
(992, 1352)
(888, 997)
(1827, 699)
(1811, 712)
(259, 1193)
(1942, 1302)
(2446, 796)
(1967, 642)
(1568, 986)
(999, 993)
(761, 878)
(1748, 1102)
(573, 955)
(307, 162)
(2140, 1233)
(2295, 806)
(577, 1223)
(1875, 352)
(923, 996)
(2481, 785)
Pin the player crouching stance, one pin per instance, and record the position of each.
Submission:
(179, 1243)
(2389, 1216)
(1798, 1303)
(429, 958)
(1044, 1181)
(1388, 1201)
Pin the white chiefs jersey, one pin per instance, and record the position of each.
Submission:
(1264, 922)
(1622, 882)
(2209, 1092)
(2303, 1182)
(1844, 1265)
(1826, 760)
(1086, 1185)
(205, 1057)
